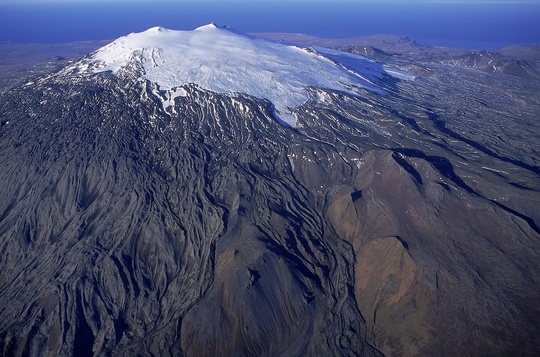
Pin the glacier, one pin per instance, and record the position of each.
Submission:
(225, 61)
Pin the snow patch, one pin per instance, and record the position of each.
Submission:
(171, 94)
(399, 74)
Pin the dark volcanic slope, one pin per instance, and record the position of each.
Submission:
(137, 232)
(403, 224)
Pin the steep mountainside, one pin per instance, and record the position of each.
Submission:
(389, 214)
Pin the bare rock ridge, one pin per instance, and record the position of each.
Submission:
(396, 218)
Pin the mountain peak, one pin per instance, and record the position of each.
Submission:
(156, 29)
(225, 61)
(211, 26)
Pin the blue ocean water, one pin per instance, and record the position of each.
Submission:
(460, 25)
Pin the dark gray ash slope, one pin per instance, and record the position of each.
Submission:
(123, 222)
(375, 226)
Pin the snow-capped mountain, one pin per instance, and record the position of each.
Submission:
(224, 61)
(153, 203)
